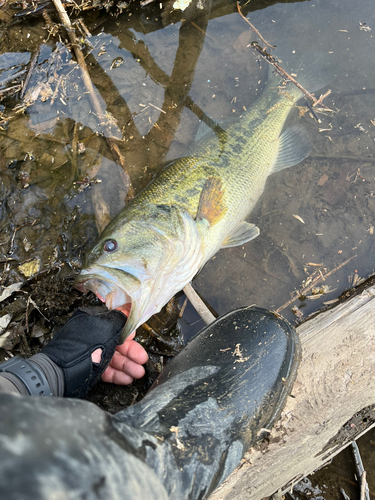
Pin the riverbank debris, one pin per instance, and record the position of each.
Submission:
(311, 283)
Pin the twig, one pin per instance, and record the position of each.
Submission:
(56, 89)
(310, 106)
(88, 84)
(183, 307)
(365, 494)
(36, 307)
(363, 486)
(168, 342)
(286, 76)
(11, 248)
(13, 77)
(322, 277)
(198, 304)
(345, 496)
(253, 27)
(159, 109)
(322, 97)
(31, 69)
(14, 88)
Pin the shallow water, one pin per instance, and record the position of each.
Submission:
(144, 61)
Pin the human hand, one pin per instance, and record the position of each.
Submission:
(126, 364)
(88, 331)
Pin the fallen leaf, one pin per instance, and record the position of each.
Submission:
(4, 322)
(30, 268)
(298, 218)
(9, 290)
(324, 178)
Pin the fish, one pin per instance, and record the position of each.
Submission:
(195, 206)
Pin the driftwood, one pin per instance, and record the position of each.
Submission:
(332, 403)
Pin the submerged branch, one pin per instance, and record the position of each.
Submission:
(198, 304)
(88, 84)
(287, 77)
(31, 69)
(254, 28)
(322, 277)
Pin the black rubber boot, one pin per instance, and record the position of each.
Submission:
(212, 401)
(180, 442)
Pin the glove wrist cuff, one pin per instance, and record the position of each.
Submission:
(30, 375)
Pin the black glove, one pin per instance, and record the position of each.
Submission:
(71, 348)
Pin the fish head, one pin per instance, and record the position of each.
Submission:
(139, 263)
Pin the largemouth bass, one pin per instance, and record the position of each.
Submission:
(194, 207)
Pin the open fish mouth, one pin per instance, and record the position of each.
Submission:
(113, 296)
(109, 290)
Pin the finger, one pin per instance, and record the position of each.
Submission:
(130, 337)
(134, 351)
(116, 377)
(125, 309)
(96, 356)
(126, 365)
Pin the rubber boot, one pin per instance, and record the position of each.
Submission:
(211, 402)
(180, 442)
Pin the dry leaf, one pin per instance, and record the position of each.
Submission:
(298, 218)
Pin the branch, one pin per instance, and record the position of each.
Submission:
(253, 27)
(88, 84)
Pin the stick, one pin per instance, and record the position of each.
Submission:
(363, 486)
(198, 304)
(322, 277)
(88, 84)
(365, 495)
(31, 69)
(286, 76)
(253, 27)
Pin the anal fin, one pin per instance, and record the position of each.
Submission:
(211, 202)
(241, 234)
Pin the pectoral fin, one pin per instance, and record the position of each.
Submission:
(211, 202)
(241, 234)
(294, 146)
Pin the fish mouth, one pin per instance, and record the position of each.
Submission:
(109, 289)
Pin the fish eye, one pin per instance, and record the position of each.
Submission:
(110, 245)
